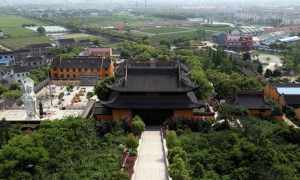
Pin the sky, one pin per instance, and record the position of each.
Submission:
(182, 2)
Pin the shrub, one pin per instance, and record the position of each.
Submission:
(89, 95)
(138, 126)
(121, 175)
(70, 88)
(178, 170)
(195, 125)
(172, 140)
(61, 95)
(132, 142)
(176, 151)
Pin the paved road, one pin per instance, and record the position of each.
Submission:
(150, 164)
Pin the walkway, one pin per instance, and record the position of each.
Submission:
(150, 164)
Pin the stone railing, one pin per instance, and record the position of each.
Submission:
(165, 152)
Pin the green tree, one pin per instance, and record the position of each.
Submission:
(2, 89)
(138, 126)
(172, 140)
(268, 73)
(132, 142)
(41, 30)
(178, 170)
(13, 94)
(24, 155)
(101, 89)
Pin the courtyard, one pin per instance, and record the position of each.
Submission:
(57, 102)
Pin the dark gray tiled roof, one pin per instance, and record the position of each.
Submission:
(143, 77)
(153, 101)
(66, 41)
(34, 59)
(82, 62)
(291, 85)
(22, 69)
(41, 45)
(292, 100)
(252, 100)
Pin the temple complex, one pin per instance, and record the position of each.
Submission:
(154, 90)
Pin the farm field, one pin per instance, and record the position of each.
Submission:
(15, 35)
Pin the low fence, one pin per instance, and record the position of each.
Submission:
(138, 150)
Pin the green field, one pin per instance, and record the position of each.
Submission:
(160, 30)
(217, 28)
(15, 35)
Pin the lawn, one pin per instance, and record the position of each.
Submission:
(16, 35)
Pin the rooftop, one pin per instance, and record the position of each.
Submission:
(82, 61)
(41, 45)
(252, 100)
(70, 40)
(153, 77)
(292, 100)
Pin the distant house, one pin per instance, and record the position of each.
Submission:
(219, 38)
(66, 43)
(234, 41)
(35, 62)
(255, 104)
(20, 73)
(5, 73)
(86, 70)
(285, 95)
(85, 43)
(40, 49)
(99, 52)
(7, 58)
(21, 54)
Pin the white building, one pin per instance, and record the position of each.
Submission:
(1, 34)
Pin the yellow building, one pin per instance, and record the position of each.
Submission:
(285, 95)
(80, 67)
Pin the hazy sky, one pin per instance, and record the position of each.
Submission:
(255, 2)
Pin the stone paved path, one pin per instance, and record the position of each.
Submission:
(150, 164)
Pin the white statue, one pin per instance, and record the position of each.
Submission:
(29, 99)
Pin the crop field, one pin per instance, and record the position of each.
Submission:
(15, 35)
